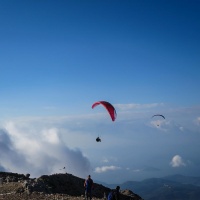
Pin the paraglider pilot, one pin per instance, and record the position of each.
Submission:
(98, 139)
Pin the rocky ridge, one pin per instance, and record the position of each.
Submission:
(57, 186)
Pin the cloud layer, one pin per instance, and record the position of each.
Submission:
(39, 153)
(133, 146)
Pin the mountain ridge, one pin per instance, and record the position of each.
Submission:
(19, 186)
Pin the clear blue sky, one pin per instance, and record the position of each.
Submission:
(59, 57)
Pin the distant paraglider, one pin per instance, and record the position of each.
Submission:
(109, 107)
(158, 115)
(98, 139)
(62, 168)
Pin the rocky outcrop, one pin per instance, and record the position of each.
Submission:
(6, 177)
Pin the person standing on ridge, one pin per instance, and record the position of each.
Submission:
(88, 184)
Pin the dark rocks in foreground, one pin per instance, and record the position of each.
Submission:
(63, 186)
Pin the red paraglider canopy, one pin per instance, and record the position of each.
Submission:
(109, 107)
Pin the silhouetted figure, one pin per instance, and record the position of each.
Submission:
(98, 139)
(88, 184)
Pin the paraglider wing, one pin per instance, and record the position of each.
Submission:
(158, 115)
(109, 107)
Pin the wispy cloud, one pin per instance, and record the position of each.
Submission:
(198, 120)
(181, 128)
(105, 160)
(106, 168)
(146, 169)
(137, 106)
(157, 123)
(137, 170)
(161, 124)
(177, 161)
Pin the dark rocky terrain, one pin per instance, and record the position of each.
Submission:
(57, 186)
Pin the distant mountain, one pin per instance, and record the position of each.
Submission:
(176, 187)
(184, 179)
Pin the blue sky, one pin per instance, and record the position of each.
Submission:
(59, 57)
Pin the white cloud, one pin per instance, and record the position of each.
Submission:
(38, 151)
(177, 161)
(106, 168)
(51, 135)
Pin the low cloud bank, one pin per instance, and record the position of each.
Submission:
(39, 152)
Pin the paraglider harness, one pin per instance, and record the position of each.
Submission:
(98, 139)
